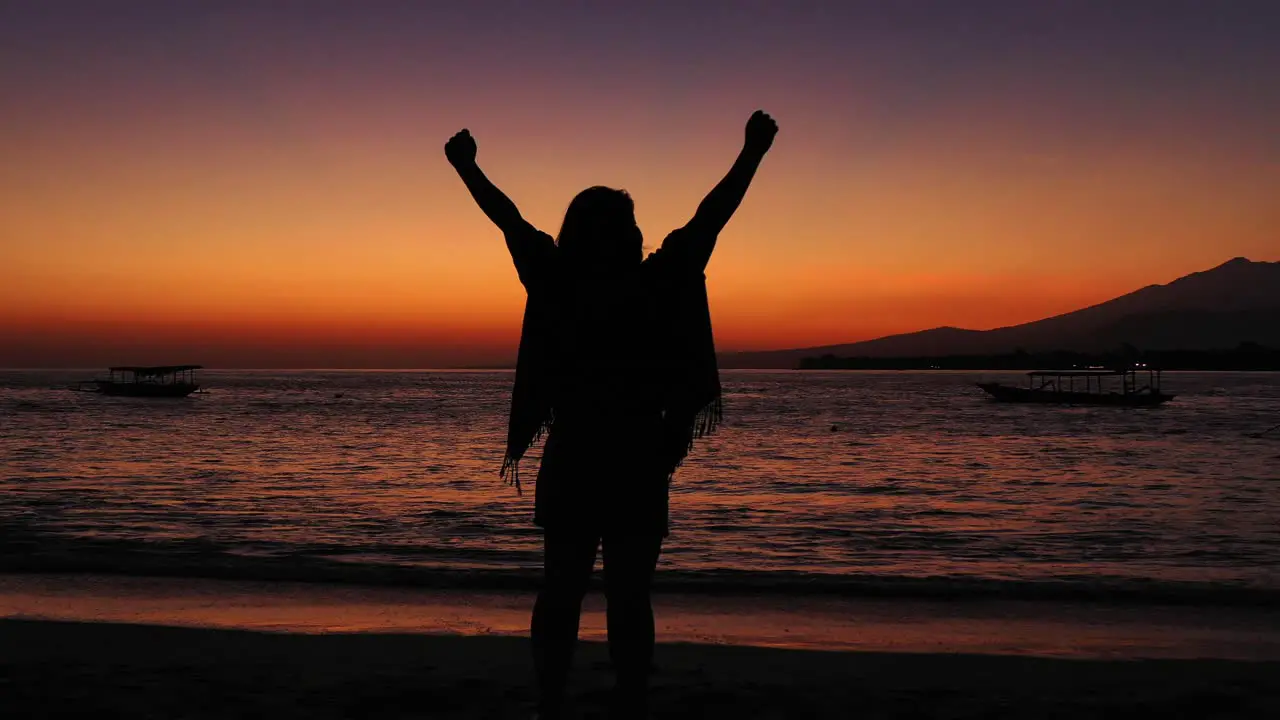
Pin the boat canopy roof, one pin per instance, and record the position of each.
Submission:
(156, 370)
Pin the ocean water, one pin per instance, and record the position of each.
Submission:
(845, 482)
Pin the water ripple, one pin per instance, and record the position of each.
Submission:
(816, 475)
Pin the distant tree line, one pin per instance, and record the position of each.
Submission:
(1246, 356)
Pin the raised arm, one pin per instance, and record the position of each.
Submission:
(461, 152)
(698, 236)
(529, 247)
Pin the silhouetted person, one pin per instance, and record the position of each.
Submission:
(617, 365)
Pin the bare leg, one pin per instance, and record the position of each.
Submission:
(567, 563)
(629, 563)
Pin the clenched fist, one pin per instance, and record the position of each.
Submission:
(760, 131)
(461, 149)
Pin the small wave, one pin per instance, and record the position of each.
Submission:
(211, 562)
(441, 513)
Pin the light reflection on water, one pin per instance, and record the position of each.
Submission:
(893, 474)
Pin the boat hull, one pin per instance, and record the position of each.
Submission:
(1008, 393)
(148, 390)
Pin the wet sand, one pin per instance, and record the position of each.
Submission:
(77, 646)
(1084, 630)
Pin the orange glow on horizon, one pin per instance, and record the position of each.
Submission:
(271, 189)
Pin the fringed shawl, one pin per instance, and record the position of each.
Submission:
(686, 368)
(531, 396)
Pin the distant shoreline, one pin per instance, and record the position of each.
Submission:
(807, 364)
(1247, 357)
(909, 367)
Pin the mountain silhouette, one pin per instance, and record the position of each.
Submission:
(1236, 302)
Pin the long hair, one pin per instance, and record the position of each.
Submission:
(599, 230)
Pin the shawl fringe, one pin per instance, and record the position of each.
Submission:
(705, 422)
(708, 419)
(510, 471)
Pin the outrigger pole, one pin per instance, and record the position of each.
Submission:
(1264, 432)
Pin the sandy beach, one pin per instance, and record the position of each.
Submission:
(102, 670)
(79, 646)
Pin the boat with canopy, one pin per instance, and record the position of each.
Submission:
(168, 381)
(1130, 387)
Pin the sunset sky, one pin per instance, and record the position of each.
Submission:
(262, 184)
